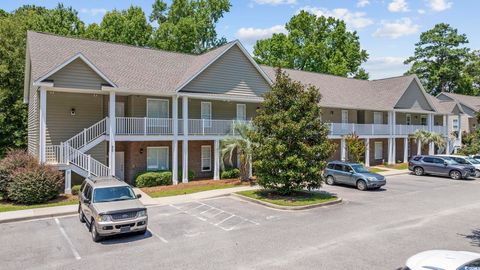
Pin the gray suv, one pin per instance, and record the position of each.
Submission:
(439, 165)
(109, 206)
(352, 174)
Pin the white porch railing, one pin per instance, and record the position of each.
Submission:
(440, 129)
(213, 127)
(143, 126)
(340, 129)
(408, 129)
(89, 134)
(66, 155)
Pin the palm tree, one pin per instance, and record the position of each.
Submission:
(438, 140)
(421, 136)
(243, 146)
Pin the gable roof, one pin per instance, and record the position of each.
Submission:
(341, 92)
(135, 69)
(473, 102)
(446, 106)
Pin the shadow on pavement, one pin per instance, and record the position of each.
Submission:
(474, 237)
(125, 238)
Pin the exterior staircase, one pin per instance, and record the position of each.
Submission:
(71, 153)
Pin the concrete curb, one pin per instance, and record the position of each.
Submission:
(32, 215)
(281, 207)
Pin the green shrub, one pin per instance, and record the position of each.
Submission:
(34, 184)
(76, 189)
(191, 175)
(14, 160)
(150, 179)
(230, 173)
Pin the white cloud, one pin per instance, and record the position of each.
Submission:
(388, 66)
(276, 2)
(421, 11)
(93, 11)
(439, 5)
(250, 35)
(355, 20)
(398, 6)
(363, 3)
(397, 28)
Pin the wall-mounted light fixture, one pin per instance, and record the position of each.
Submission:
(73, 112)
(331, 112)
(141, 151)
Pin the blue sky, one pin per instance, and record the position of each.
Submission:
(388, 29)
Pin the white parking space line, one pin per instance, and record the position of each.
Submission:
(216, 224)
(72, 247)
(158, 236)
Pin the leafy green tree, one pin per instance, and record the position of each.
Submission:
(291, 143)
(471, 143)
(187, 26)
(472, 73)
(317, 44)
(440, 59)
(355, 147)
(13, 29)
(122, 26)
(240, 144)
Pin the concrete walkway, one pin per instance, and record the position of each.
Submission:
(390, 171)
(47, 212)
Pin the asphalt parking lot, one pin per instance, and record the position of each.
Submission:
(370, 230)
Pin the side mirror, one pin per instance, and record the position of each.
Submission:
(86, 201)
(139, 196)
(445, 163)
(351, 171)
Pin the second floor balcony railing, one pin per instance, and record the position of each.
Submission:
(340, 129)
(164, 126)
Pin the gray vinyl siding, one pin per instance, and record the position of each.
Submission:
(334, 115)
(401, 118)
(61, 125)
(221, 110)
(413, 98)
(444, 97)
(231, 74)
(33, 122)
(468, 111)
(77, 74)
(137, 105)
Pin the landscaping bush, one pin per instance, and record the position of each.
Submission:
(191, 174)
(230, 173)
(76, 189)
(151, 179)
(14, 160)
(34, 184)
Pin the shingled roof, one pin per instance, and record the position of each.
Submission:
(341, 92)
(470, 101)
(128, 67)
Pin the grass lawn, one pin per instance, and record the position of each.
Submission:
(376, 170)
(297, 199)
(60, 201)
(191, 187)
(398, 166)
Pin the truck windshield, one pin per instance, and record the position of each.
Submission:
(111, 194)
(359, 169)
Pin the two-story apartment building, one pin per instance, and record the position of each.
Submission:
(99, 108)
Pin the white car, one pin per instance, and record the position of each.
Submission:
(444, 260)
(464, 160)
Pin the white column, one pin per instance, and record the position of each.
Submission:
(460, 128)
(68, 182)
(216, 160)
(431, 146)
(394, 139)
(343, 149)
(175, 140)
(43, 125)
(419, 148)
(405, 150)
(390, 139)
(367, 152)
(111, 132)
(185, 140)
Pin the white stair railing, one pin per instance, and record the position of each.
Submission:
(88, 135)
(66, 155)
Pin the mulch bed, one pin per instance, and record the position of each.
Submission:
(196, 183)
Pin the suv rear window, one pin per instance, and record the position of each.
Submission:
(417, 158)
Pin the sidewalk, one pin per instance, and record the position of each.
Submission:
(46, 212)
(391, 172)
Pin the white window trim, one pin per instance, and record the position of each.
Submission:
(168, 157)
(343, 111)
(207, 123)
(408, 118)
(201, 158)
(164, 99)
(375, 150)
(244, 108)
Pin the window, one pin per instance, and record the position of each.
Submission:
(471, 265)
(206, 113)
(157, 158)
(338, 167)
(158, 108)
(438, 161)
(428, 160)
(377, 117)
(206, 158)
(87, 192)
(241, 112)
(408, 119)
(423, 120)
(344, 116)
(455, 124)
(378, 150)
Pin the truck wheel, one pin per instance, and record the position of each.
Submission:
(93, 230)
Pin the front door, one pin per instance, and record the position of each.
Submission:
(119, 109)
(120, 165)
